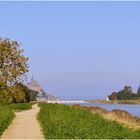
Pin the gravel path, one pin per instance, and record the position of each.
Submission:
(24, 126)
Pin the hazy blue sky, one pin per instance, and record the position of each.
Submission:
(77, 49)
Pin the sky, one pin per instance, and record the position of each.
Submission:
(77, 50)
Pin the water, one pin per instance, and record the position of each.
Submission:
(133, 109)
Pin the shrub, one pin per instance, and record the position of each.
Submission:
(17, 93)
(5, 97)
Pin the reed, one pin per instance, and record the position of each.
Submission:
(120, 116)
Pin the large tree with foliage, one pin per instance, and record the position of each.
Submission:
(138, 91)
(125, 94)
(13, 64)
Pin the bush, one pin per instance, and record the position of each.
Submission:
(5, 97)
(32, 95)
(17, 93)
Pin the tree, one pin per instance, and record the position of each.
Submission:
(2, 84)
(113, 96)
(21, 93)
(17, 94)
(138, 91)
(125, 94)
(13, 64)
(5, 97)
(29, 95)
(33, 94)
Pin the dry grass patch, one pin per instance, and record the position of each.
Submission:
(123, 117)
(116, 101)
(120, 116)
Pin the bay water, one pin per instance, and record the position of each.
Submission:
(133, 109)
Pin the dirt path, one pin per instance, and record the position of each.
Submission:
(24, 126)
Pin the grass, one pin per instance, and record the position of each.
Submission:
(68, 122)
(120, 116)
(128, 101)
(116, 101)
(20, 106)
(6, 117)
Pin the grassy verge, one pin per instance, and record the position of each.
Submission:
(121, 116)
(20, 106)
(6, 117)
(128, 101)
(67, 122)
(116, 101)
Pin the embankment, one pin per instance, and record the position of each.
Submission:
(116, 101)
(70, 122)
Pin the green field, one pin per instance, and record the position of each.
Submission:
(67, 122)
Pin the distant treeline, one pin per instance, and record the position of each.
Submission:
(125, 94)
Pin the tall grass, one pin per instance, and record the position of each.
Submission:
(120, 116)
(6, 116)
(20, 106)
(116, 101)
(68, 122)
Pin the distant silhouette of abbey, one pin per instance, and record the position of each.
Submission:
(42, 95)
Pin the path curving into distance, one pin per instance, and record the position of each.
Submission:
(24, 126)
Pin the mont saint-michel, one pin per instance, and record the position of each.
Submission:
(42, 95)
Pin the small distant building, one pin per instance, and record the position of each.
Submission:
(107, 98)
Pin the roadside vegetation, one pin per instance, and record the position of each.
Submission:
(20, 106)
(121, 116)
(6, 117)
(116, 101)
(69, 122)
(127, 101)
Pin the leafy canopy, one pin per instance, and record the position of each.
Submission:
(13, 64)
